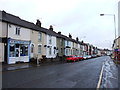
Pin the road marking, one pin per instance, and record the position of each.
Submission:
(100, 78)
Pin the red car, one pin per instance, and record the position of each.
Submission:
(72, 58)
(80, 57)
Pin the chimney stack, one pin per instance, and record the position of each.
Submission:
(70, 36)
(59, 32)
(77, 39)
(51, 27)
(38, 23)
(82, 41)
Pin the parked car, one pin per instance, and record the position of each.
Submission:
(88, 57)
(85, 57)
(94, 56)
(72, 58)
(80, 57)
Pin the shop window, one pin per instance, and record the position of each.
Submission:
(17, 52)
(39, 48)
(17, 45)
(12, 50)
(24, 50)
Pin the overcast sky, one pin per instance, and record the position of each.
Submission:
(79, 17)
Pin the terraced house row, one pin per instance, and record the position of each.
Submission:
(21, 41)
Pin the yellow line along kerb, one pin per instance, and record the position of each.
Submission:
(100, 78)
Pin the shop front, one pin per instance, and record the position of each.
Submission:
(18, 51)
(116, 54)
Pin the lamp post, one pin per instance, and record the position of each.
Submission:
(114, 22)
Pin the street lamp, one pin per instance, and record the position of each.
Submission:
(114, 21)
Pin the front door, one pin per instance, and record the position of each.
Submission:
(17, 50)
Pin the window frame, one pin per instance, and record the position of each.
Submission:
(32, 48)
(50, 39)
(17, 31)
(50, 50)
(39, 36)
(39, 49)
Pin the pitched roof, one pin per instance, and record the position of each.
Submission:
(6, 17)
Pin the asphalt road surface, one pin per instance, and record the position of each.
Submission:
(82, 74)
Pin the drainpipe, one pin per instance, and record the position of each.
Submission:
(6, 44)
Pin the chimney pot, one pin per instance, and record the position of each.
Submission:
(59, 32)
(51, 27)
(38, 23)
(77, 39)
(70, 36)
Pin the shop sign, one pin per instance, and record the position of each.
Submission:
(19, 42)
(115, 50)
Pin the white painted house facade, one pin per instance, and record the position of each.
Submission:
(51, 46)
(18, 44)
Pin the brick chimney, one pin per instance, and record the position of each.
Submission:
(70, 36)
(77, 39)
(59, 32)
(51, 27)
(38, 23)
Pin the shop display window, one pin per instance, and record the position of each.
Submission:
(12, 50)
(24, 50)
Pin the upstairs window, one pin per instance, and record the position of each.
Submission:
(61, 42)
(39, 36)
(67, 43)
(50, 39)
(17, 32)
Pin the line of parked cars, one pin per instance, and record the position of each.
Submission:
(78, 58)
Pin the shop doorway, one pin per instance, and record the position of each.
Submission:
(17, 50)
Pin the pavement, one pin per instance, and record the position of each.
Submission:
(119, 76)
(110, 74)
(18, 66)
(11, 67)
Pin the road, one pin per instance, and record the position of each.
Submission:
(82, 74)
